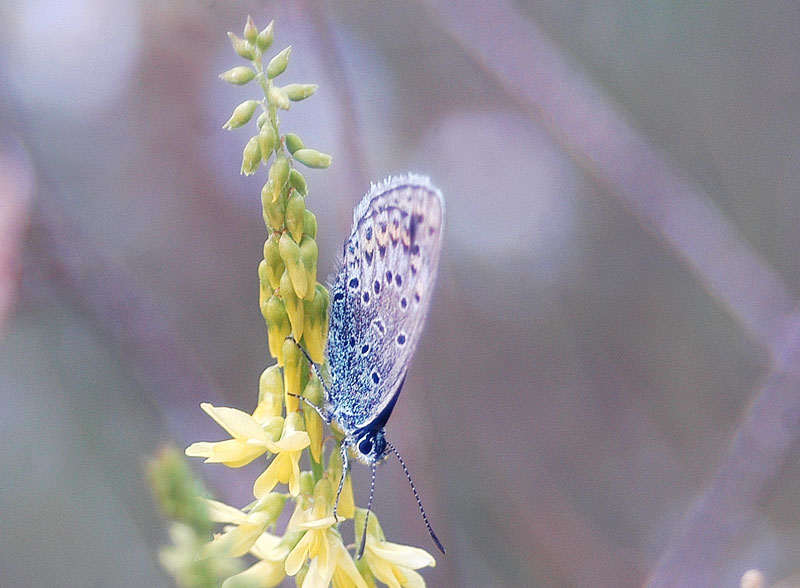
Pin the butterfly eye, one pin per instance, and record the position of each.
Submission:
(365, 446)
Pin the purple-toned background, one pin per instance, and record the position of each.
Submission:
(608, 389)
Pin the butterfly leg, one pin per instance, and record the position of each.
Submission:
(345, 468)
(313, 366)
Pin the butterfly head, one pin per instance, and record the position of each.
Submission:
(369, 446)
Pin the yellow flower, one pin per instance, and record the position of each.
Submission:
(249, 439)
(391, 563)
(322, 545)
(285, 466)
(245, 529)
(269, 570)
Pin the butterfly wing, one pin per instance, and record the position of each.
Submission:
(381, 296)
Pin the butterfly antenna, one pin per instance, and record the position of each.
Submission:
(419, 502)
(366, 518)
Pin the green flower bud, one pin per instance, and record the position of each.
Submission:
(310, 224)
(312, 158)
(315, 327)
(294, 363)
(262, 118)
(290, 252)
(241, 114)
(298, 182)
(293, 142)
(278, 98)
(242, 47)
(294, 306)
(251, 156)
(278, 327)
(274, 426)
(277, 65)
(314, 428)
(274, 261)
(308, 255)
(297, 92)
(278, 175)
(274, 212)
(265, 37)
(272, 504)
(295, 216)
(306, 485)
(270, 394)
(250, 30)
(266, 140)
(238, 76)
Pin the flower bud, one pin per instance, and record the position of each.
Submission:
(241, 114)
(278, 327)
(290, 252)
(270, 394)
(313, 392)
(272, 505)
(274, 261)
(274, 212)
(310, 224)
(278, 175)
(251, 156)
(278, 98)
(264, 288)
(294, 306)
(277, 65)
(265, 37)
(315, 324)
(238, 76)
(297, 92)
(250, 30)
(266, 140)
(293, 366)
(273, 427)
(295, 217)
(293, 142)
(308, 255)
(242, 47)
(306, 487)
(312, 158)
(298, 182)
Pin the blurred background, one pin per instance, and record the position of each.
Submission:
(578, 382)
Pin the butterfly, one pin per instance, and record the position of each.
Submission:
(380, 298)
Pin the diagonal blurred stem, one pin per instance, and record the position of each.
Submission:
(592, 129)
(133, 325)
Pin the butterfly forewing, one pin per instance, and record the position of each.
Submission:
(381, 296)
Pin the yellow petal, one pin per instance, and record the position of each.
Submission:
(231, 452)
(297, 557)
(402, 555)
(346, 568)
(296, 441)
(219, 512)
(236, 422)
(263, 574)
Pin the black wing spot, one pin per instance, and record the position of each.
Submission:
(389, 276)
(338, 296)
(413, 269)
(416, 296)
(352, 342)
(404, 302)
(415, 249)
(401, 339)
(353, 283)
(369, 255)
(382, 251)
(365, 349)
(376, 286)
(376, 378)
(366, 297)
(412, 227)
(379, 325)
(368, 234)
(398, 280)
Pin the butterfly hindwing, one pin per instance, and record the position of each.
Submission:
(381, 295)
